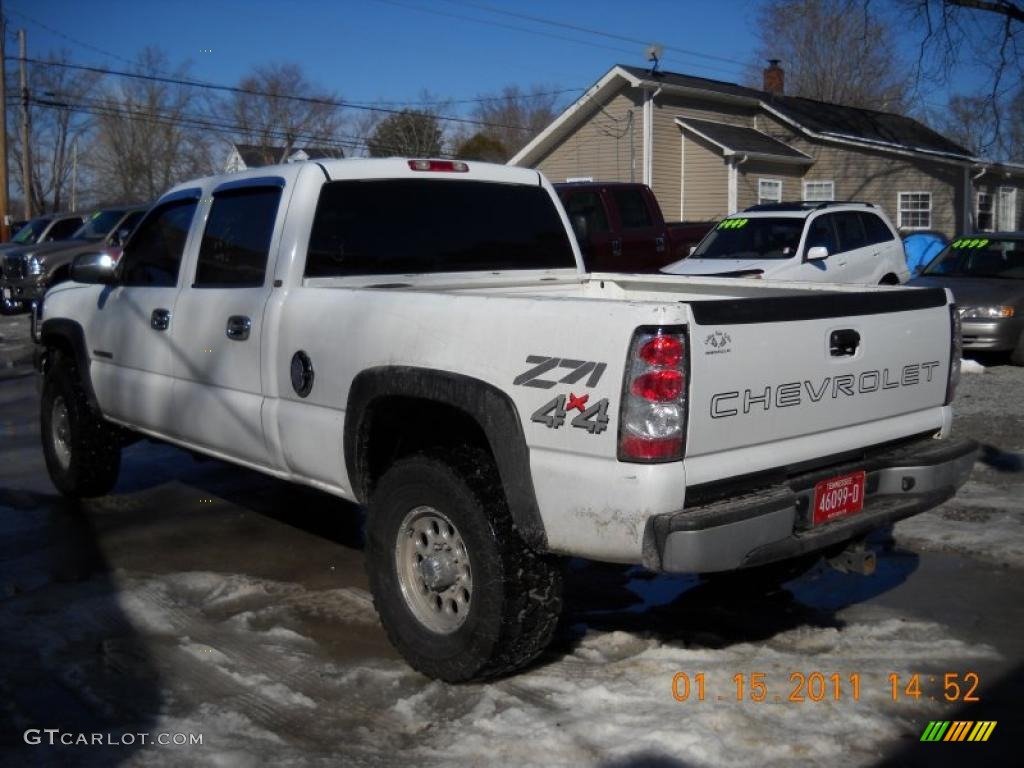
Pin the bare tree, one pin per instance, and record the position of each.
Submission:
(986, 34)
(281, 110)
(147, 138)
(840, 51)
(513, 118)
(410, 133)
(57, 122)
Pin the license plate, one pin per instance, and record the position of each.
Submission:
(838, 497)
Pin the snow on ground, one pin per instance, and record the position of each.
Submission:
(971, 366)
(981, 520)
(275, 696)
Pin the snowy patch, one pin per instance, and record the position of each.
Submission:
(971, 366)
(982, 520)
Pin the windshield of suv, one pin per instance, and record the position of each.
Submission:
(30, 232)
(99, 224)
(760, 238)
(980, 257)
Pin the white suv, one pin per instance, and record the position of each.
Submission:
(820, 242)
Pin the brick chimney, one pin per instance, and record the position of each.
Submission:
(774, 78)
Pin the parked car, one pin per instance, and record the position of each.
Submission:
(29, 270)
(620, 227)
(48, 228)
(986, 275)
(922, 246)
(840, 242)
(495, 405)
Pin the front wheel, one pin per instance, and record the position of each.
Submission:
(458, 591)
(82, 451)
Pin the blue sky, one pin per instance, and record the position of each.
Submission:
(368, 50)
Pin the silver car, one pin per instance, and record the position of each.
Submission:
(985, 272)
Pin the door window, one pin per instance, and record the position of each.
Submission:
(63, 229)
(822, 233)
(632, 208)
(587, 203)
(153, 255)
(236, 242)
(850, 230)
(875, 230)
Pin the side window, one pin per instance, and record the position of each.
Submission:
(850, 231)
(63, 229)
(152, 256)
(236, 242)
(875, 230)
(822, 233)
(587, 203)
(632, 208)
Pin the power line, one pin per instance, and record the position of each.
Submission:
(589, 31)
(252, 92)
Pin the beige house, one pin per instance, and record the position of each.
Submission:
(709, 148)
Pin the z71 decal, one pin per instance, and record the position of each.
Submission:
(593, 419)
(543, 365)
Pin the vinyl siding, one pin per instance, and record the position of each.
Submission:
(878, 177)
(600, 146)
(791, 177)
(705, 181)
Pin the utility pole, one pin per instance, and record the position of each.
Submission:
(26, 168)
(74, 174)
(5, 234)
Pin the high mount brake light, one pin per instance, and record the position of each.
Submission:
(443, 166)
(652, 424)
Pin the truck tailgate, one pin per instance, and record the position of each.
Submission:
(810, 376)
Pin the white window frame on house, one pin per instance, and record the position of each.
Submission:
(814, 191)
(1006, 209)
(907, 212)
(769, 191)
(985, 205)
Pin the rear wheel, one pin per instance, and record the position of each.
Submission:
(459, 593)
(82, 451)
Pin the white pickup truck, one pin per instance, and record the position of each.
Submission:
(420, 336)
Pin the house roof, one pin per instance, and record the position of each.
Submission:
(819, 119)
(255, 155)
(738, 140)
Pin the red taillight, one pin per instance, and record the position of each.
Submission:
(666, 351)
(444, 166)
(652, 420)
(659, 386)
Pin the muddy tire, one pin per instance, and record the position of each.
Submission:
(459, 593)
(82, 451)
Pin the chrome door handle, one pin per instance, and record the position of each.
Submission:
(238, 327)
(160, 319)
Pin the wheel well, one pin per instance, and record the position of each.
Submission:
(396, 426)
(889, 279)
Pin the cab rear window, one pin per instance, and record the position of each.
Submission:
(410, 226)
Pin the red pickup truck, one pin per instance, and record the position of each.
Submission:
(620, 228)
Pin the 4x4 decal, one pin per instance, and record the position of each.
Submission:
(593, 419)
(543, 364)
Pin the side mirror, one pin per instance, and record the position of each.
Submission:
(817, 253)
(93, 268)
(119, 237)
(581, 228)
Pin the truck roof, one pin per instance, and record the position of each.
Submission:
(383, 168)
